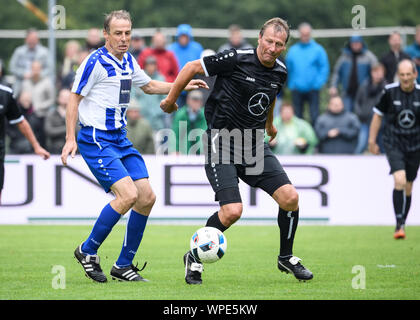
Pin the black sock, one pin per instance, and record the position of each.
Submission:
(287, 221)
(214, 222)
(398, 201)
(407, 207)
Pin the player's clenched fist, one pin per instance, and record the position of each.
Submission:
(168, 106)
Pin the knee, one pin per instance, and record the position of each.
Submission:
(231, 213)
(291, 201)
(129, 198)
(400, 180)
(287, 197)
(146, 200)
(150, 200)
(400, 184)
(408, 188)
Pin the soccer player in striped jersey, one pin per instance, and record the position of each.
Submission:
(100, 97)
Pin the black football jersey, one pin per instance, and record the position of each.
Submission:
(401, 112)
(9, 111)
(243, 91)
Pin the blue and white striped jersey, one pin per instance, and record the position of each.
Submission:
(105, 83)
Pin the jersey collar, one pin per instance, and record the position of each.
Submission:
(259, 62)
(113, 58)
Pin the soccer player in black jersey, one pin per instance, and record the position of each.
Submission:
(240, 107)
(399, 106)
(9, 110)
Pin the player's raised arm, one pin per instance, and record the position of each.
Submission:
(70, 147)
(183, 82)
(157, 87)
(160, 87)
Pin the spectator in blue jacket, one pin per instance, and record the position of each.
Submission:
(185, 50)
(351, 69)
(414, 51)
(308, 70)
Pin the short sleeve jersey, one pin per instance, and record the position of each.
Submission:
(105, 83)
(9, 111)
(401, 112)
(243, 91)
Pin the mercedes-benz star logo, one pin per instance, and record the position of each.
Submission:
(258, 103)
(406, 119)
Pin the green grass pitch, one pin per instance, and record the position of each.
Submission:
(335, 254)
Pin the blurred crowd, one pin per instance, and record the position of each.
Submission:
(353, 84)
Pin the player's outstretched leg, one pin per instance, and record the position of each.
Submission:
(86, 253)
(400, 229)
(407, 207)
(286, 262)
(398, 199)
(123, 269)
(287, 197)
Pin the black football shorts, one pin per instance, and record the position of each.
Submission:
(408, 161)
(224, 178)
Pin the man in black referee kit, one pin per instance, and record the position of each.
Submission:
(242, 100)
(9, 110)
(399, 106)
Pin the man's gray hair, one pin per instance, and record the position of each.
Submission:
(118, 14)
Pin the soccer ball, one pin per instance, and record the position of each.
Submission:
(208, 244)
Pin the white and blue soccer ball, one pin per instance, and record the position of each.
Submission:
(208, 244)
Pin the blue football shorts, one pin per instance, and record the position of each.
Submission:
(110, 156)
